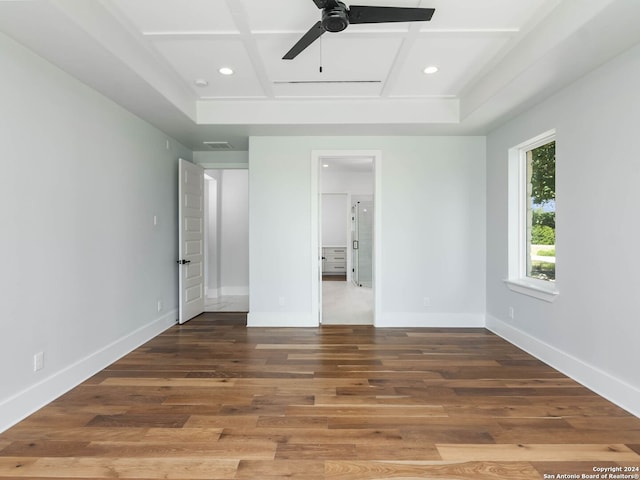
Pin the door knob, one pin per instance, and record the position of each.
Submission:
(183, 262)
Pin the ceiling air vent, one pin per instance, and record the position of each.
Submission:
(322, 82)
(218, 145)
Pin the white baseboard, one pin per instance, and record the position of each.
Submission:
(613, 389)
(285, 319)
(430, 320)
(21, 405)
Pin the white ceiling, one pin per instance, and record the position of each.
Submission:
(495, 58)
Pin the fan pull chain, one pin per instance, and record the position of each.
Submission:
(321, 55)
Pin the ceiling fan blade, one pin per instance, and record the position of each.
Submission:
(365, 14)
(307, 39)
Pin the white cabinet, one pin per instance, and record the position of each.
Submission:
(334, 260)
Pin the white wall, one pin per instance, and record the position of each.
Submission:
(334, 219)
(234, 228)
(228, 233)
(222, 159)
(591, 331)
(213, 234)
(83, 266)
(354, 183)
(432, 193)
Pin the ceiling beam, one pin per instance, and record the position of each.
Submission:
(241, 20)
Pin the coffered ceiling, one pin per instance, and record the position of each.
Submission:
(161, 59)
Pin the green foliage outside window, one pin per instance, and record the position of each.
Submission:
(543, 174)
(543, 235)
(540, 217)
(542, 230)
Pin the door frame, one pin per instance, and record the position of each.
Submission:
(212, 170)
(316, 227)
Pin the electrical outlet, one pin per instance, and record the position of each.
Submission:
(511, 313)
(426, 302)
(155, 220)
(159, 306)
(38, 361)
(281, 301)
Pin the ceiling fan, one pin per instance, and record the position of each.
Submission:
(336, 17)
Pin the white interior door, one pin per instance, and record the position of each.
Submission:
(191, 240)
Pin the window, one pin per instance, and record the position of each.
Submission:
(532, 217)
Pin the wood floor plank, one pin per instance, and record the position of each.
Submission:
(75, 434)
(320, 434)
(626, 422)
(222, 421)
(282, 421)
(182, 435)
(296, 469)
(538, 452)
(46, 448)
(147, 448)
(409, 451)
(138, 420)
(208, 383)
(214, 399)
(124, 468)
(376, 470)
(450, 433)
(375, 411)
(254, 449)
(315, 451)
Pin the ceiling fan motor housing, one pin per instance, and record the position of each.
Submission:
(335, 19)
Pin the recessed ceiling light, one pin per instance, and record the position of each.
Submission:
(325, 165)
(226, 71)
(201, 82)
(431, 69)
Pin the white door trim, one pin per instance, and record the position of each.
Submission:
(316, 284)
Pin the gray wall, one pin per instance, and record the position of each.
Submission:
(227, 234)
(591, 331)
(432, 232)
(84, 266)
(234, 227)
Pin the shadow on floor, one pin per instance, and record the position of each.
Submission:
(224, 318)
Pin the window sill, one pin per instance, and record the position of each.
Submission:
(548, 293)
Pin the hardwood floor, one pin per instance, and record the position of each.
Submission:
(214, 400)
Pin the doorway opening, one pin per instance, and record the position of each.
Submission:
(226, 240)
(346, 233)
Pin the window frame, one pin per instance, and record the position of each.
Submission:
(518, 198)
